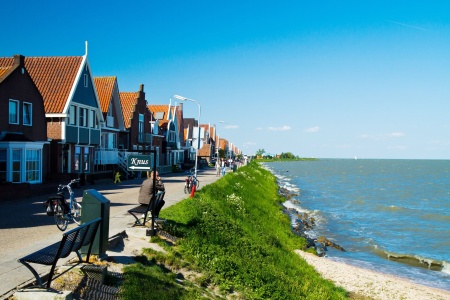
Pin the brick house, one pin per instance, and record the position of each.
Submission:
(139, 135)
(23, 132)
(72, 112)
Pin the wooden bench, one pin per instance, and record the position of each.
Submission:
(144, 209)
(72, 241)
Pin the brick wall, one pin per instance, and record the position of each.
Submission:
(54, 130)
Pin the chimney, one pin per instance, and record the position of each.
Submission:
(18, 60)
(141, 88)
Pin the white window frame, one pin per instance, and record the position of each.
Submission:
(92, 119)
(17, 103)
(73, 115)
(30, 114)
(33, 161)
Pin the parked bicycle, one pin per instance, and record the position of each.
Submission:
(62, 211)
(190, 181)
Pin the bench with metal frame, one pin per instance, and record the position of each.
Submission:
(144, 209)
(72, 241)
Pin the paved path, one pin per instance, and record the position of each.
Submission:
(25, 227)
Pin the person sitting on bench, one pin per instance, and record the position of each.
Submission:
(146, 190)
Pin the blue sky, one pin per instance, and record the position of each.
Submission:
(331, 79)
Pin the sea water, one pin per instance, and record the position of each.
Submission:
(392, 216)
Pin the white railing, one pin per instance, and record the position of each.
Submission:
(105, 156)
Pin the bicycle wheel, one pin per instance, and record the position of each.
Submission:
(76, 212)
(197, 185)
(60, 220)
(186, 189)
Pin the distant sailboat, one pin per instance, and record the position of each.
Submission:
(356, 157)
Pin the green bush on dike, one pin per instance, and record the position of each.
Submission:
(234, 232)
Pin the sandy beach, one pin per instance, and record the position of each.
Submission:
(369, 283)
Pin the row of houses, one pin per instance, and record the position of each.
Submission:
(63, 122)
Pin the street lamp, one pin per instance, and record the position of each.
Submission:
(198, 147)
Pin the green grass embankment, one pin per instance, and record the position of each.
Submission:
(235, 234)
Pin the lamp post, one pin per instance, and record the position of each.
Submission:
(199, 113)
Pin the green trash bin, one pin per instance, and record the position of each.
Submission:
(94, 205)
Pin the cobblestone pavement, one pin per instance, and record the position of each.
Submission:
(25, 227)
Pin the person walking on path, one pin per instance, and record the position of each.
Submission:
(117, 177)
(217, 168)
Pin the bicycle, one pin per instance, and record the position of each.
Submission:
(190, 181)
(63, 213)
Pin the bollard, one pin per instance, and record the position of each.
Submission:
(193, 190)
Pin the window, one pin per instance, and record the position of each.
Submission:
(110, 109)
(86, 159)
(2, 165)
(82, 159)
(159, 115)
(83, 117)
(92, 119)
(77, 158)
(73, 115)
(27, 113)
(33, 165)
(141, 123)
(16, 165)
(13, 112)
(85, 80)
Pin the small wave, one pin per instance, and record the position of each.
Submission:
(412, 260)
(436, 217)
(446, 267)
(390, 208)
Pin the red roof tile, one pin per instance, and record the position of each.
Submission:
(129, 101)
(3, 70)
(105, 87)
(159, 108)
(54, 77)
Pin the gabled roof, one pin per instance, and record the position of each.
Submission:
(129, 101)
(54, 76)
(161, 109)
(105, 89)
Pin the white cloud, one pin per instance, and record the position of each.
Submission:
(312, 129)
(378, 137)
(396, 134)
(259, 128)
(231, 127)
(282, 128)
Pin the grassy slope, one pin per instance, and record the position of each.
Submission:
(235, 232)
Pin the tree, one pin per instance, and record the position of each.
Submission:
(221, 153)
(287, 155)
(260, 152)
